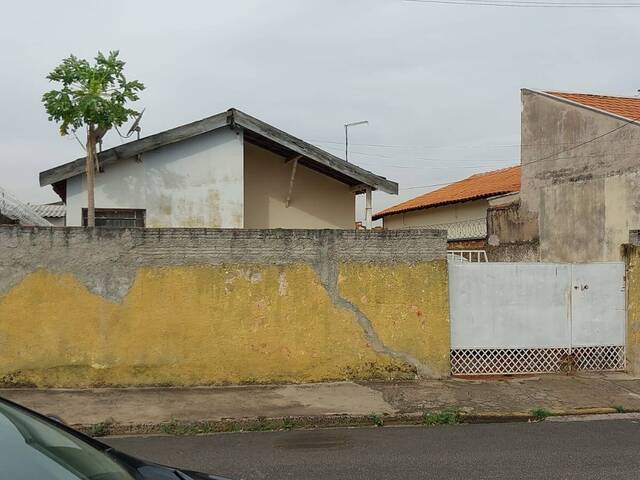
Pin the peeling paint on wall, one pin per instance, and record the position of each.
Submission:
(213, 307)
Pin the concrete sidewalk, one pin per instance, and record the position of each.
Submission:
(496, 397)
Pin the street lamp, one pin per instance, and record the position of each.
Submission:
(346, 136)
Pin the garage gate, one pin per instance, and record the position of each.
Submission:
(510, 318)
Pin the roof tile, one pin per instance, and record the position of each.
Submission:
(481, 185)
(627, 107)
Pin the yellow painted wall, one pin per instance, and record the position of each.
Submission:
(408, 314)
(222, 324)
(633, 310)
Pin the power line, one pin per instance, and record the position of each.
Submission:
(586, 142)
(529, 4)
(419, 147)
(427, 186)
(497, 162)
(598, 137)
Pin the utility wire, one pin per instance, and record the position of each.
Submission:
(523, 4)
(586, 142)
(421, 147)
(598, 137)
(496, 163)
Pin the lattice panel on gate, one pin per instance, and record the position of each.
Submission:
(502, 361)
(610, 357)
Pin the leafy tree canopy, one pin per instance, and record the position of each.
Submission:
(91, 95)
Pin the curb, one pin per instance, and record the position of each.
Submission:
(265, 424)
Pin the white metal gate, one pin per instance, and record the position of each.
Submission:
(511, 318)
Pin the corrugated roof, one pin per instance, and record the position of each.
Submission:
(480, 185)
(55, 210)
(627, 107)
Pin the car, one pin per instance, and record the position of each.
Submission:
(35, 446)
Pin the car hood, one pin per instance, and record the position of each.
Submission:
(153, 471)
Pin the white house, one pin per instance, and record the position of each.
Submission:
(227, 171)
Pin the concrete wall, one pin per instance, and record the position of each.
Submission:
(56, 221)
(88, 307)
(194, 183)
(511, 237)
(457, 212)
(317, 201)
(585, 200)
(631, 254)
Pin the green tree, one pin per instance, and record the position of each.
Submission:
(93, 97)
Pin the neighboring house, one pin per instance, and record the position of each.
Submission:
(574, 197)
(460, 208)
(229, 170)
(54, 213)
(580, 190)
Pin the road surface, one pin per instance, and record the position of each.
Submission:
(584, 450)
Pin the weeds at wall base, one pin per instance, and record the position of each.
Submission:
(540, 414)
(448, 416)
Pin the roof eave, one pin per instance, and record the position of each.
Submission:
(314, 153)
(582, 105)
(136, 147)
(231, 117)
(380, 215)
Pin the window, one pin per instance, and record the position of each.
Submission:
(119, 218)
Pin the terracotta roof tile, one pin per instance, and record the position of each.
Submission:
(627, 107)
(481, 185)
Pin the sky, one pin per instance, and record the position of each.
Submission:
(439, 84)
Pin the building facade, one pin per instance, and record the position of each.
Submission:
(227, 171)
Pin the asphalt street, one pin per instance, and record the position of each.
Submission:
(584, 450)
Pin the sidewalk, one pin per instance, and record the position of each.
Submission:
(127, 409)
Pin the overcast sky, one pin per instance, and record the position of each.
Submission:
(440, 85)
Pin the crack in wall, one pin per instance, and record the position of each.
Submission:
(327, 269)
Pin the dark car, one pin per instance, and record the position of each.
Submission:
(33, 446)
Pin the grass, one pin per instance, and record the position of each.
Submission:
(540, 414)
(289, 423)
(619, 408)
(448, 416)
(100, 429)
(260, 424)
(376, 420)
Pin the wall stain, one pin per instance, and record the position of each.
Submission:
(196, 326)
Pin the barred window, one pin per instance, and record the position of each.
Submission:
(119, 218)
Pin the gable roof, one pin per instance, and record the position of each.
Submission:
(256, 131)
(480, 185)
(625, 107)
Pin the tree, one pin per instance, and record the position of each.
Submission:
(93, 97)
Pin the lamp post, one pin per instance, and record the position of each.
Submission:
(346, 136)
(368, 210)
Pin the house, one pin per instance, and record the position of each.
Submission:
(573, 198)
(460, 208)
(580, 166)
(229, 170)
(54, 213)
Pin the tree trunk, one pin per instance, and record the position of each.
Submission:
(91, 177)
